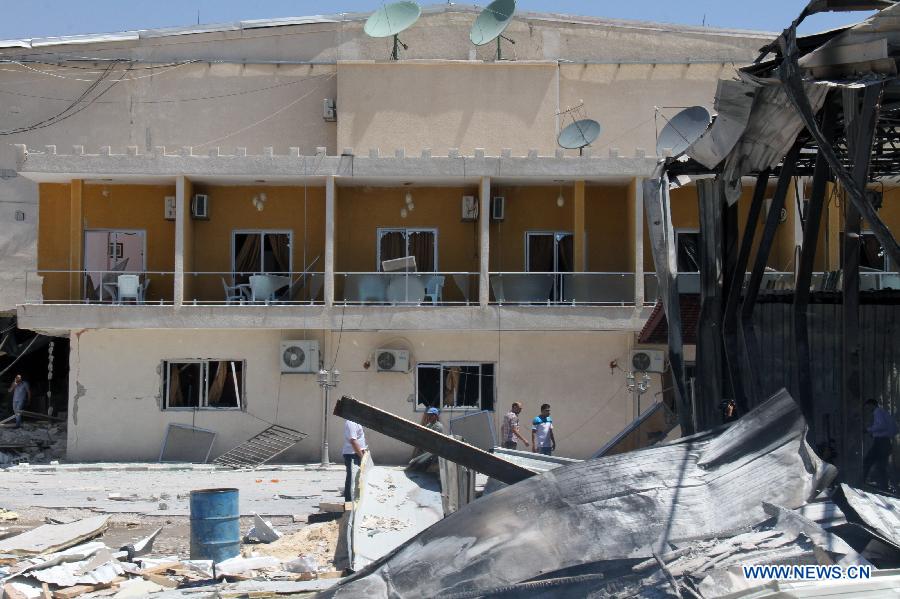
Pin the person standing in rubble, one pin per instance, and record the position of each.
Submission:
(542, 439)
(509, 430)
(422, 460)
(21, 395)
(353, 451)
(883, 430)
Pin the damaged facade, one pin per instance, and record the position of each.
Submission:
(208, 159)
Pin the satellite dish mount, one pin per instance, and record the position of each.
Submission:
(390, 20)
(491, 23)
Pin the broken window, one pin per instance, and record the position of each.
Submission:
(872, 256)
(455, 385)
(201, 384)
(400, 243)
(260, 252)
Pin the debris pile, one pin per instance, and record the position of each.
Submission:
(33, 443)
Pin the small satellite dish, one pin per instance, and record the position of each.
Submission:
(491, 23)
(579, 134)
(682, 130)
(390, 20)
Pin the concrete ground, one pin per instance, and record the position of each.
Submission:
(135, 495)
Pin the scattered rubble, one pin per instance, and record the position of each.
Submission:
(33, 443)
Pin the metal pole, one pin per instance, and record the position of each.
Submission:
(325, 459)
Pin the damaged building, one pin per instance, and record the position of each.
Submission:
(211, 223)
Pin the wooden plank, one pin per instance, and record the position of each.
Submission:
(45, 591)
(81, 589)
(160, 568)
(335, 506)
(428, 440)
(163, 581)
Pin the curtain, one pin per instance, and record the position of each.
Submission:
(281, 250)
(421, 245)
(247, 258)
(392, 245)
(566, 254)
(540, 253)
(175, 397)
(217, 384)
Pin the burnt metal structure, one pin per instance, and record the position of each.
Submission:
(827, 107)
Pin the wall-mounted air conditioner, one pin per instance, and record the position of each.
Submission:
(200, 206)
(169, 210)
(469, 208)
(498, 208)
(648, 360)
(300, 356)
(392, 360)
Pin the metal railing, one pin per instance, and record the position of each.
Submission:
(562, 288)
(406, 288)
(253, 288)
(119, 287)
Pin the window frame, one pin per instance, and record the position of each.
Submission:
(380, 231)
(440, 366)
(263, 232)
(691, 231)
(204, 376)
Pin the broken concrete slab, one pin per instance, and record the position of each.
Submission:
(643, 502)
(54, 537)
(262, 532)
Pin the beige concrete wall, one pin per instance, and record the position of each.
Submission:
(451, 105)
(115, 386)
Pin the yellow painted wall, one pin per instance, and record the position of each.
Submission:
(230, 208)
(120, 207)
(531, 209)
(361, 211)
(610, 229)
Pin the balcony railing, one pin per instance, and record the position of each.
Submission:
(253, 288)
(406, 288)
(562, 288)
(99, 287)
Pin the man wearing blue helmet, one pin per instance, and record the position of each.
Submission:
(422, 460)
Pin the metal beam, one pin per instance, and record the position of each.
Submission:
(805, 268)
(751, 348)
(733, 346)
(859, 123)
(428, 440)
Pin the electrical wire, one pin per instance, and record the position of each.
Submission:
(264, 119)
(24, 351)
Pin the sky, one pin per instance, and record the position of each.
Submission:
(42, 18)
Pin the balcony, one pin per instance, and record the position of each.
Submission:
(406, 288)
(253, 288)
(563, 288)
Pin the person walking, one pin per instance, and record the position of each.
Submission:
(542, 439)
(353, 451)
(509, 430)
(21, 395)
(883, 430)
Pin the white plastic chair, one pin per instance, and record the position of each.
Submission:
(129, 287)
(433, 287)
(234, 294)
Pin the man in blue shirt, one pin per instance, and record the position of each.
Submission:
(21, 394)
(883, 430)
(542, 439)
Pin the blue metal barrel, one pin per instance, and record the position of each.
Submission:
(215, 524)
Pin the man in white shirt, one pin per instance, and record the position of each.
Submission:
(542, 439)
(354, 449)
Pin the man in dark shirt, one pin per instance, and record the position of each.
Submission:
(21, 394)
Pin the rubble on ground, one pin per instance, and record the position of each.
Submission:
(36, 442)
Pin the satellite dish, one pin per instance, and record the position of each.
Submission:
(579, 134)
(390, 20)
(492, 22)
(682, 130)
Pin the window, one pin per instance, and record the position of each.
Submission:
(551, 251)
(203, 384)
(260, 252)
(872, 256)
(400, 243)
(687, 245)
(455, 385)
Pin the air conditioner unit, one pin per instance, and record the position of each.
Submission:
(392, 360)
(648, 360)
(300, 356)
(469, 208)
(200, 206)
(498, 208)
(169, 211)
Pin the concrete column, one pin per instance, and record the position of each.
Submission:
(330, 199)
(578, 244)
(637, 198)
(76, 238)
(182, 214)
(484, 243)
